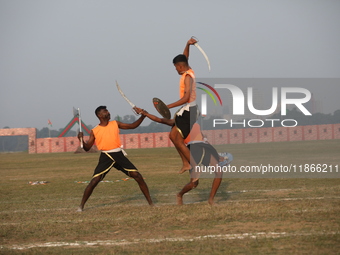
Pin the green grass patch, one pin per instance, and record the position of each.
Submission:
(251, 216)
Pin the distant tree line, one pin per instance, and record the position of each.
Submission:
(20, 143)
(153, 127)
(13, 143)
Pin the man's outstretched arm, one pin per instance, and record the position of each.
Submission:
(165, 121)
(133, 125)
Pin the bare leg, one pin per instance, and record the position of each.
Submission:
(189, 186)
(142, 185)
(216, 183)
(214, 188)
(88, 191)
(182, 149)
(185, 164)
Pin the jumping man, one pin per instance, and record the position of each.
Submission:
(186, 116)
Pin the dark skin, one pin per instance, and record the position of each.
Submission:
(175, 136)
(104, 118)
(193, 180)
(193, 183)
(181, 68)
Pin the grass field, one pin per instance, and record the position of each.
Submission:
(251, 216)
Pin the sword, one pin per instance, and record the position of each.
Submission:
(127, 100)
(80, 130)
(202, 51)
(76, 113)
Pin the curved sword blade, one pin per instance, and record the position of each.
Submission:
(205, 55)
(123, 95)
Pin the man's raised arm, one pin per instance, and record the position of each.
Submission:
(187, 47)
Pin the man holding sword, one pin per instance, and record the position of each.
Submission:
(186, 116)
(106, 137)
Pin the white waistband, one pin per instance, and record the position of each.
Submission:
(194, 142)
(186, 108)
(116, 150)
(113, 150)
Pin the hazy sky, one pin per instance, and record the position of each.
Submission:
(56, 55)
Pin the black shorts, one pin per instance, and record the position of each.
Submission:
(202, 152)
(185, 122)
(113, 159)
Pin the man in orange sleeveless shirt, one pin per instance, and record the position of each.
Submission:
(106, 137)
(186, 116)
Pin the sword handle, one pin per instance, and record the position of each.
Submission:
(194, 37)
(135, 112)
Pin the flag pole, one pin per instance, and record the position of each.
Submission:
(49, 124)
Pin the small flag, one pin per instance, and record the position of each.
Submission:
(49, 123)
(75, 112)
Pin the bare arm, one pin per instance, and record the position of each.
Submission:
(168, 122)
(87, 145)
(188, 85)
(187, 47)
(133, 125)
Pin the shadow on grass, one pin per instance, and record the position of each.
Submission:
(136, 199)
(197, 195)
(221, 195)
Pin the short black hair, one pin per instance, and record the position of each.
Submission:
(99, 108)
(180, 58)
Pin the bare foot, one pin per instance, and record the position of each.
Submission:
(179, 199)
(184, 169)
(211, 202)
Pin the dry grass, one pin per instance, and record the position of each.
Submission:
(252, 216)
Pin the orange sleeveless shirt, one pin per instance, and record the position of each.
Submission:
(107, 138)
(195, 134)
(182, 85)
